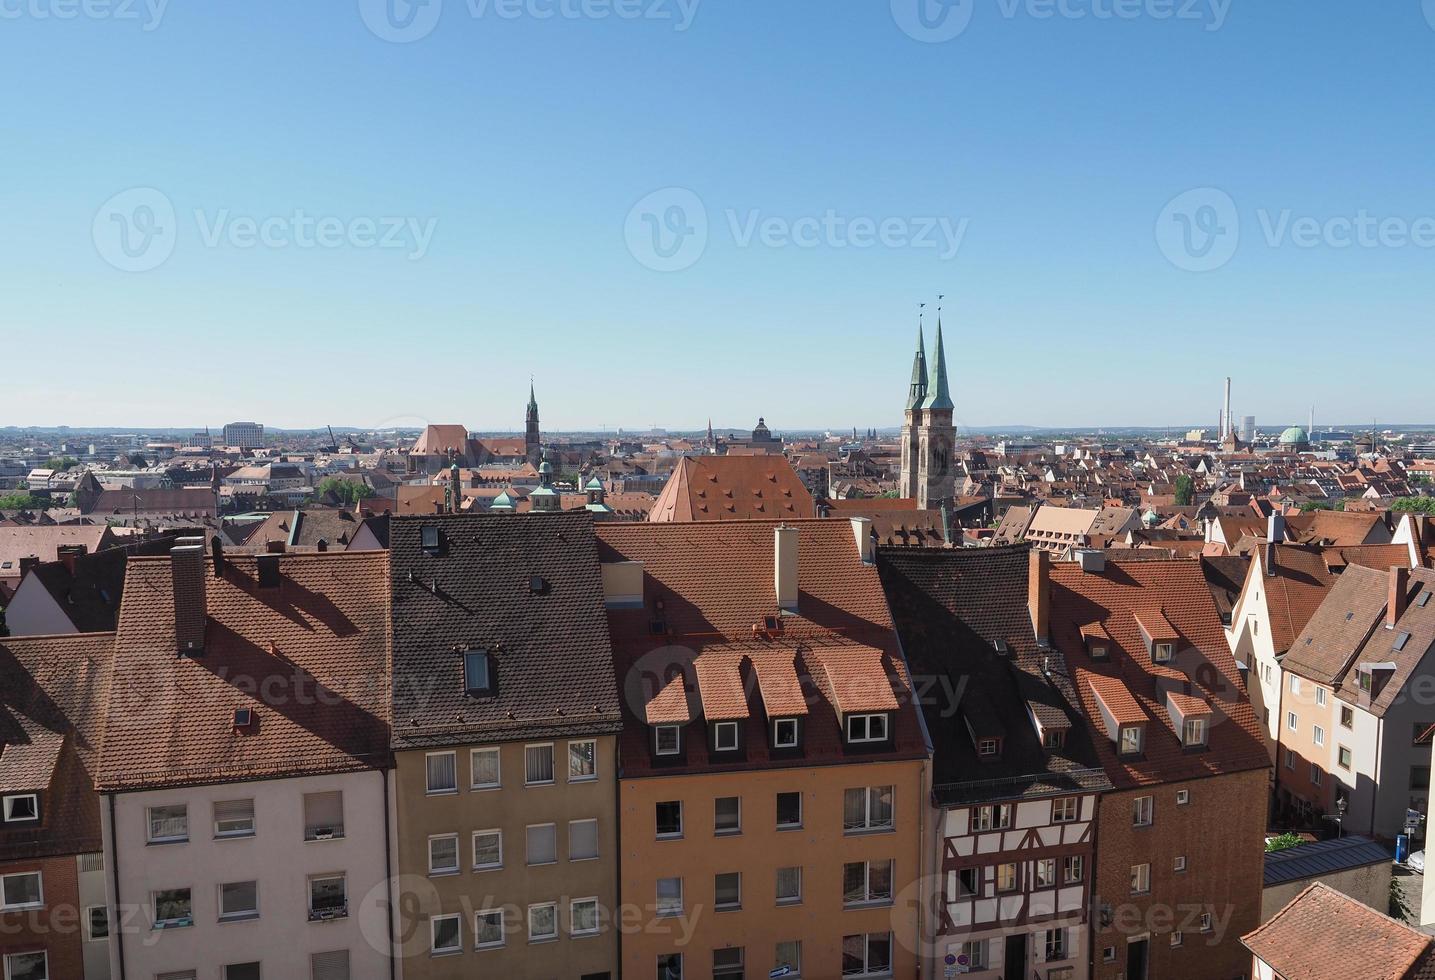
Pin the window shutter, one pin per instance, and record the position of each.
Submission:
(582, 839)
(330, 966)
(179, 975)
(542, 847)
(323, 811)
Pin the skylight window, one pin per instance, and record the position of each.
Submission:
(477, 673)
(1400, 642)
(1424, 598)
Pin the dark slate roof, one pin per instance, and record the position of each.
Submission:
(526, 588)
(951, 607)
(1322, 858)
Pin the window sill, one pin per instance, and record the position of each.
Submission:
(670, 837)
(442, 792)
(728, 833)
(727, 908)
(586, 934)
(669, 914)
(174, 924)
(445, 873)
(240, 917)
(436, 953)
(487, 867)
(542, 940)
(541, 864)
(782, 829)
(167, 841)
(538, 785)
(323, 840)
(28, 906)
(582, 779)
(867, 831)
(484, 789)
(249, 835)
(784, 903)
(485, 947)
(876, 903)
(579, 860)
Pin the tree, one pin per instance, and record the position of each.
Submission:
(1311, 505)
(61, 462)
(21, 501)
(1283, 841)
(1414, 505)
(1400, 909)
(349, 491)
(1185, 491)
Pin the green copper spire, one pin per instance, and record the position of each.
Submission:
(938, 396)
(918, 390)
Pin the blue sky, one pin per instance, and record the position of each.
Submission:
(500, 198)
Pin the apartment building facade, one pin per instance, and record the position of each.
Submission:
(1016, 779)
(1168, 713)
(53, 918)
(505, 741)
(773, 784)
(244, 768)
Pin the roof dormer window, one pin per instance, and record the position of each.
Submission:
(1162, 653)
(1131, 740)
(1193, 733)
(22, 808)
(667, 739)
(724, 736)
(989, 748)
(866, 728)
(784, 733)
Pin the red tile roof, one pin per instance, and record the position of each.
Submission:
(1325, 935)
(727, 488)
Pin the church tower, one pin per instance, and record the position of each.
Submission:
(928, 434)
(531, 437)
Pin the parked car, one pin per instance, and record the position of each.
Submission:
(1416, 862)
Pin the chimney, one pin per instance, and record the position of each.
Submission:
(186, 570)
(1276, 528)
(68, 553)
(1038, 592)
(27, 563)
(784, 550)
(862, 531)
(216, 551)
(1091, 560)
(1396, 599)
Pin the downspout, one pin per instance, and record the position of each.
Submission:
(388, 873)
(119, 933)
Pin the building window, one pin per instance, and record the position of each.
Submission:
(1292, 722)
(1055, 944)
(323, 815)
(1183, 796)
(1045, 872)
(1363, 680)
(542, 844)
(867, 955)
(542, 922)
(725, 736)
(173, 908)
(1163, 653)
(442, 772)
(989, 748)
(582, 840)
(443, 854)
(1053, 739)
(168, 824)
(1315, 774)
(1317, 735)
(1006, 877)
(1143, 810)
(670, 896)
(1419, 777)
(333, 965)
(97, 923)
(328, 897)
(487, 850)
(1176, 939)
(1071, 869)
(1193, 732)
(1140, 879)
(727, 962)
(1342, 756)
(968, 882)
(670, 966)
(21, 891)
(789, 811)
(242, 971)
(1320, 697)
(867, 808)
(1179, 865)
(670, 818)
(1065, 810)
(788, 955)
(866, 881)
(234, 818)
(1347, 717)
(1205, 921)
(789, 886)
(239, 900)
(538, 765)
(866, 728)
(583, 916)
(1131, 740)
(1108, 954)
(994, 817)
(27, 966)
(1265, 671)
(477, 677)
(727, 815)
(582, 761)
(1295, 684)
(727, 891)
(484, 769)
(667, 740)
(976, 954)
(784, 733)
(445, 934)
(22, 807)
(488, 929)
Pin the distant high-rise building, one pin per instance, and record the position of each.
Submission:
(928, 435)
(1248, 428)
(245, 435)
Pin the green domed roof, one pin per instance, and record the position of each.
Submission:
(1294, 436)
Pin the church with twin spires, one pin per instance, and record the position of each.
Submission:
(928, 435)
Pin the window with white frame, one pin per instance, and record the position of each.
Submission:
(1193, 732)
(1131, 740)
(443, 854)
(969, 882)
(446, 933)
(582, 840)
(788, 955)
(992, 817)
(488, 929)
(487, 850)
(538, 764)
(1006, 877)
(1205, 921)
(789, 886)
(989, 748)
(784, 733)
(542, 843)
(1179, 864)
(442, 772)
(234, 818)
(28, 966)
(1316, 774)
(670, 896)
(725, 736)
(667, 739)
(583, 916)
(727, 891)
(324, 815)
(867, 955)
(976, 954)
(727, 961)
(1292, 722)
(239, 900)
(866, 728)
(1177, 939)
(542, 922)
(1320, 696)
(484, 770)
(582, 761)
(168, 824)
(1143, 810)
(22, 807)
(328, 897)
(867, 808)
(1140, 879)
(866, 881)
(1183, 796)
(727, 815)
(1295, 684)
(1162, 653)
(172, 908)
(1065, 810)
(1055, 944)
(1317, 735)
(1045, 872)
(24, 890)
(1072, 869)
